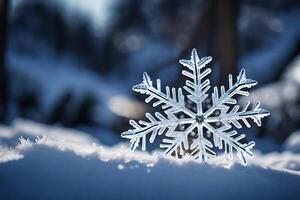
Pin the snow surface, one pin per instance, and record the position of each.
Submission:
(292, 144)
(59, 163)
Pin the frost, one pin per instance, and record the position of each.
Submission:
(188, 123)
(120, 167)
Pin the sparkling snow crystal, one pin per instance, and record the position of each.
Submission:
(196, 125)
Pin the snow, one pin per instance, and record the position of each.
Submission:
(39, 161)
(67, 75)
(98, 12)
(293, 142)
(67, 164)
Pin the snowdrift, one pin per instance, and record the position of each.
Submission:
(58, 163)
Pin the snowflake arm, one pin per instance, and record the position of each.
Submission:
(171, 103)
(197, 88)
(219, 101)
(155, 126)
(224, 139)
(177, 141)
(234, 115)
(202, 147)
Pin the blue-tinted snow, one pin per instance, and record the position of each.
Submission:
(68, 164)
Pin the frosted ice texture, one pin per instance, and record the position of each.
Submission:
(191, 126)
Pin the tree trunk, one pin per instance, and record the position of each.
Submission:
(3, 76)
(224, 37)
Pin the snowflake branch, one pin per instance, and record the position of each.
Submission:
(177, 139)
(257, 113)
(225, 140)
(201, 147)
(226, 97)
(197, 88)
(153, 126)
(172, 102)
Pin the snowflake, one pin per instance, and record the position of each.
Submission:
(191, 128)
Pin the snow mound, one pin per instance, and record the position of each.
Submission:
(293, 143)
(60, 166)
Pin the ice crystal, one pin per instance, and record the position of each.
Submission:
(189, 126)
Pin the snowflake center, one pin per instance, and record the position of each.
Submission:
(199, 119)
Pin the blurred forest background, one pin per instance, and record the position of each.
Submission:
(73, 62)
